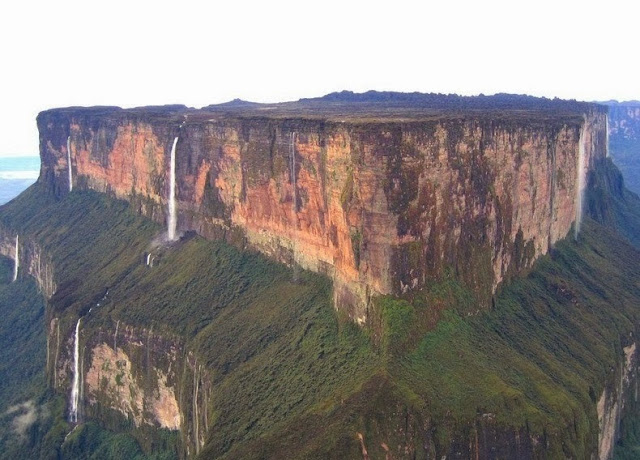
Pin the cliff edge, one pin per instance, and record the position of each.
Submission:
(382, 192)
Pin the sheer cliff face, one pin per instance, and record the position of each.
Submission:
(123, 369)
(146, 377)
(32, 260)
(381, 207)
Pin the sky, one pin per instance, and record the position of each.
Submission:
(137, 52)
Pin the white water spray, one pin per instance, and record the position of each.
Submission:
(69, 163)
(16, 263)
(581, 170)
(607, 137)
(172, 221)
(75, 387)
(104, 297)
(148, 259)
(115, 338)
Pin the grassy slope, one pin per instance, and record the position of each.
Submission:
(539, 359)
(538, 356)
(275, 348)
(22, 341)
(294, 381)
(613, 205)
(22, 358)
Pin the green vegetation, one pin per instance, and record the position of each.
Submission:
(33, 421)
(292, 380)
(22, 360)
(91, 441)
(538, 361)
(274, 348)
(546, 346)
(347, 191)
(356, 245)
(628, 448)
(22, 340)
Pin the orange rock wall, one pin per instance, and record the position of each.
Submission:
(380, 207)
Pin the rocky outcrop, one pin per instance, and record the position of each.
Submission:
(382, 206)
(134, 374)
(612, 402)
(33, 260)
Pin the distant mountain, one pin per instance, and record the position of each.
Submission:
(613, 102)
(624, 140)
(233, 104)
(448, 101)
(395, 105)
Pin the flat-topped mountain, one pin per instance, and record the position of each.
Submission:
(379, 191)
(374, 275)
(376, 106)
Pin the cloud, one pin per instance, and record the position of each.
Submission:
(26, 415)
(19, 175)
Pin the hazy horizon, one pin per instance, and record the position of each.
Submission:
(16, 174)
(4, 154)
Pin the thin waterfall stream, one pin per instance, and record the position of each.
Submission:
(16, 262)
(75, 386)
(172, 221)
(69, 163)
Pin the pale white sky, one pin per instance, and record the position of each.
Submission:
(135, 52)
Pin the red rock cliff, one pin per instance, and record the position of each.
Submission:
(380, 205)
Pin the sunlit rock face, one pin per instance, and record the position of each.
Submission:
(383, 205)
(130, 371)
(141, 391)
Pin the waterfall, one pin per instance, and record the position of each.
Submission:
(75, 387)
(172, 222)
(69, 163)
(55, 361)
(115, 338)
(104, 297)
(16, 262)
(196, 384)
(581, 171)
(607, 137)
(148, 259)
